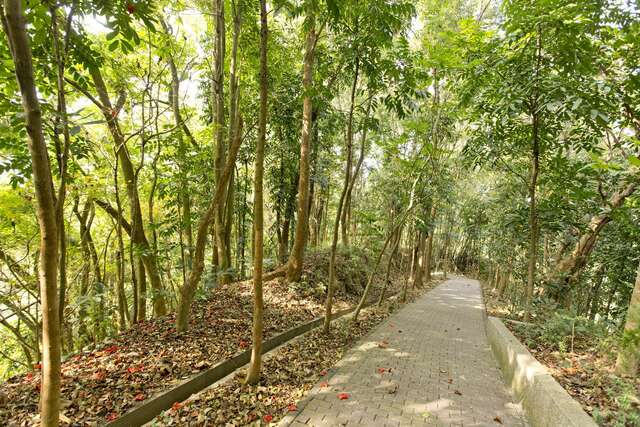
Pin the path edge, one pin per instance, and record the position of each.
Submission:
(545, 402)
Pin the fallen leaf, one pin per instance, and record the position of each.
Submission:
(99, 375)
(176, 406)
(323, 373)
(111, 416)
(392, 388)
(498, 420)
(457, 392)
(324, 384)
(139, 397)
(292, 407)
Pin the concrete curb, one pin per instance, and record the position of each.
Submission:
(545, 402)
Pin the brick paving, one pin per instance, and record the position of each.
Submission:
(442, 371)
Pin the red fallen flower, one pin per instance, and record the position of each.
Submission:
(324, 384)
(110, 350)
(243, 344)
(29, 376)
(131, 8)
(111, 416)
(176, 406)
(37, 366)
(343, 396)
(99, 376)
(139, 397)
(134, 369)
(381, 370)
(292, 407)
(267, 418)
(323, 373)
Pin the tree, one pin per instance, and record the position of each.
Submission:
(253, 374)
(14, 26)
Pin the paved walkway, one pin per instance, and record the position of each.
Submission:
(439, 370)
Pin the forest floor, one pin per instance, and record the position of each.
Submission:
(582, 362)
(102, 384)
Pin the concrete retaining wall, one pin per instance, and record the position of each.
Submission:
(545, 402)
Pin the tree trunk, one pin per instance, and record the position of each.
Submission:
(218, 119)
(418, 278)
(429, 251)
(185, 195)
(567, 270)
(629, 354)
(253, 373)
(137, 225)
(234, 110)
(346, 213)
(296, 258)
(62, 152)
(387, 273)
(15, 27)
(188, 289)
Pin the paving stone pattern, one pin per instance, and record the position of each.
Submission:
(439, 370)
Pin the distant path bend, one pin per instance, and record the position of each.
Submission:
(442, 370)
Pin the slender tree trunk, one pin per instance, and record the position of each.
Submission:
(346, 213)
(219, 125)
(629, 355)
(234, 95)
(594, 301)
(429, 251)
(137, 227)
(296, 257)
(403, 218)
(533, 183)
(188, 289)
(120, 260)
(253, 373)
(418, 279)
(14, 25)
(387, 273)
(185, 194)
(409, 276)
(62, 152)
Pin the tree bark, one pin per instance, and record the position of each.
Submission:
(219, 127)
(253, 373)
(14, 26)
(137, 225)
(296, 257)
(185, 195)
(628, 360)
(533, 183)
(188, 289)
(567, 270)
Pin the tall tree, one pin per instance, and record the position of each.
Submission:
(14, 26)
(253, 373)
